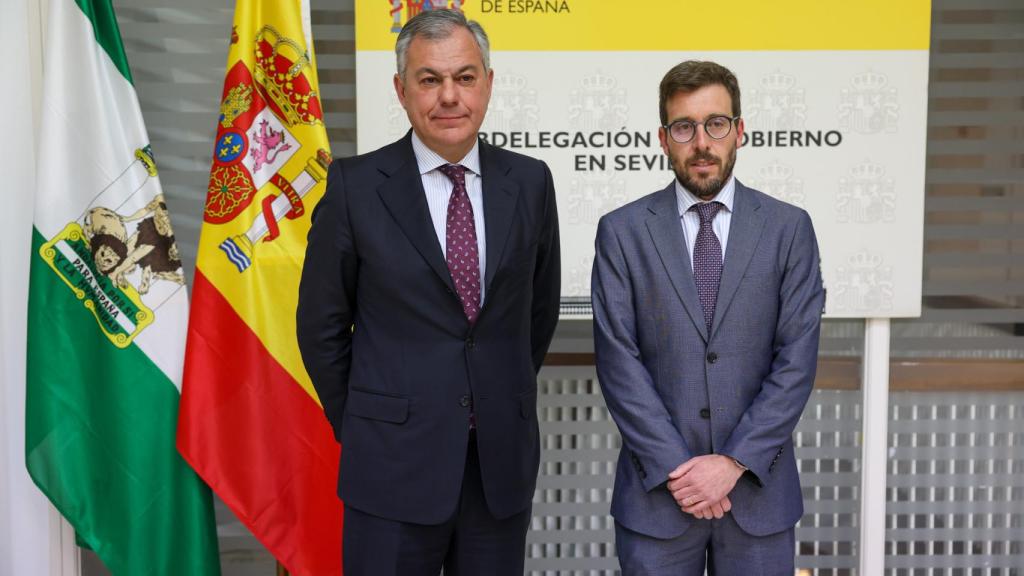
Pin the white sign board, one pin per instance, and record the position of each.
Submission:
(836, 122)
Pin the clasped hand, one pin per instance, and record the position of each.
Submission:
(701, 485)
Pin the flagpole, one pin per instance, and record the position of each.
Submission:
(65, 556)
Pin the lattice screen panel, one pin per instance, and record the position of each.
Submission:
(828, 454)
(572, 533)
(956, 484)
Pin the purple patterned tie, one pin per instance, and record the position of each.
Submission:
(707, 259)
(460, 243)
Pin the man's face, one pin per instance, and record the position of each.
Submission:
(445, 92)
(702, 165)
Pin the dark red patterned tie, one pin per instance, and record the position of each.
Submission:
(707, 260)
(460, 243)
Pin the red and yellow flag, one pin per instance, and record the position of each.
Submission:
(250, 422)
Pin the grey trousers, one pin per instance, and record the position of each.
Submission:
(720, 546)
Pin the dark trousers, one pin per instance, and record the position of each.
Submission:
(471, 543)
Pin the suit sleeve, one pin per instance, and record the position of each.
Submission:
(327, 293)
(654, 443)
(547, 278)
(766, 427)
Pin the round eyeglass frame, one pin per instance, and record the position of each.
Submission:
(732, 121)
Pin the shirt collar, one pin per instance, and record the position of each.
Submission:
(685, 199)
(428, 160)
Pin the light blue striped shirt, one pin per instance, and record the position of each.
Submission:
(439, 188)
(691, 221)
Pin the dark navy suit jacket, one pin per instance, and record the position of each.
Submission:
(390, 352)
(674, 390)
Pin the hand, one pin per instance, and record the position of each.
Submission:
(703, 481)
(715, 510)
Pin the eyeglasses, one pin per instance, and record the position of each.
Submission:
(717, 127)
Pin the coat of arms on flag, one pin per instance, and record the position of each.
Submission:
(260, 111)
(414, 7)
(111, 258)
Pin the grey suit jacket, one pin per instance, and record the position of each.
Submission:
(674, 390)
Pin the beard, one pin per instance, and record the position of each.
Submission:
(704, 188)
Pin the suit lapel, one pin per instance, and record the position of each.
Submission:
(744, 233)
(403, 195)
(667, 234)
(500, 197)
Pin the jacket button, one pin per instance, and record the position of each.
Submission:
(464, 401)
(712, 357)
(705, 413)
(470, 343)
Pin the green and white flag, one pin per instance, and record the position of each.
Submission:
(107, 316)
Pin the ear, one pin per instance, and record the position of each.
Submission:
(663, 139)
(400, 90)
(490, 84)
(740, 129)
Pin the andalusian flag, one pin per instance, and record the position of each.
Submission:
(107, 316)
(251, 424)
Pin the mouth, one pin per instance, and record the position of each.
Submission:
(448, 119)
(703, 165)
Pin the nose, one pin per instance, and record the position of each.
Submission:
(701, 138)
(449, 92)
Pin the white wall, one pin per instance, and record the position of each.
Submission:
(25, 515)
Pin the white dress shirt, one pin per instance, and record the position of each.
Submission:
(438, 189)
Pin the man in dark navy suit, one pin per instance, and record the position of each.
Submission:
(428, 300)
(707, 308)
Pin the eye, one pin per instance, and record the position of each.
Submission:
(467, 78)
(428, 80)
(718, 122)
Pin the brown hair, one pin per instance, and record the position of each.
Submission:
(694, 74)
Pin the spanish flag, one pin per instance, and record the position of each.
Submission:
(250, 423)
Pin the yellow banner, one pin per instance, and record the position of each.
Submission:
(269, 170)
(660, 25)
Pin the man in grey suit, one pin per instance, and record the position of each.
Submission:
(707, 308)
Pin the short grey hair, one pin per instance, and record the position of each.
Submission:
(438, 25)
